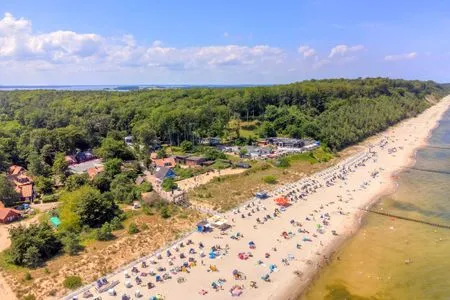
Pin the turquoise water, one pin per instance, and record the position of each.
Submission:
(395, 259)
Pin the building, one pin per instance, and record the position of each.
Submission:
(210, 141)
(285, 142)
(8, 215)
(189, 160)
(23, 184)
(164, 173)
(168, 162)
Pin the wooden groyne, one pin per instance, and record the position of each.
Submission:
(387, 214)
(438, 147)
(429, 170)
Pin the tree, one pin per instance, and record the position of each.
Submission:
(124, 190)
(32, 245)
(112, 166)
(72, 282)
(44, 185)
(104, 233)
(36, 165)
(213, 154)
(94, 209)
(85, 206)
(112, 148)
(60, 166)
(187, 146)
(8, 195)
(169, 184)
(75, 181)
(32, 257)
(71, 242)
(102, 182)
(161, 153)
(267, 130)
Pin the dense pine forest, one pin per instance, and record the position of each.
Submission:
(37, 125)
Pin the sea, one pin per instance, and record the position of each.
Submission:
(120, 88)
(390, 258)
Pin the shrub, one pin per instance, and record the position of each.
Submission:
(270, 179)
(27, 276)
(144, 226)
(283, 162)
(72, 282)
(132, 228)
(116, 223)
(29, 297)
(104, 233)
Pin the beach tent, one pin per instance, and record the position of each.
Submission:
(282, 201)
(261, 195)
(203, 226)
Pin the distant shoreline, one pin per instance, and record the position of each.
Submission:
(122, 87)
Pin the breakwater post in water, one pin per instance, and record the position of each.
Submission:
(406, 218)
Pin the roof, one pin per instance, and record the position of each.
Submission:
(166, 162)
(161, 172)
(94, 171)
(195, 158)
(5, 212)
(26, 190)
(15, 170)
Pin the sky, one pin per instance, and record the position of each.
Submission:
(99, 42)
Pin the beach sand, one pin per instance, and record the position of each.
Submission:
(335, 207)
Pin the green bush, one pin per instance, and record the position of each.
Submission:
(116, 223)
(29, 297)
(270, 179)
(27, 276)
(132, 228)
(104, 233)
(144, 227)
(72, 282)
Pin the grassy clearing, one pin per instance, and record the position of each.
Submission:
(249, 129)
(224, 193)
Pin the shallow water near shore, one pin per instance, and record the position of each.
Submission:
(397, 259)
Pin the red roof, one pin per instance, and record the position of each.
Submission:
(15, 170)
(166, 162)
(27, 191)
(7, 212)
(92, 172)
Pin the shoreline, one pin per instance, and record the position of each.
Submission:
(391, 188)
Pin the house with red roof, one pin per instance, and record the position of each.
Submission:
(23, 184)
(8, 215)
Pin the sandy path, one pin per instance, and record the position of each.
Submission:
(337, 203)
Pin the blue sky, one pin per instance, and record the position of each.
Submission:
(221, 42)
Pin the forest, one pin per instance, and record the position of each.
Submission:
(37, 125)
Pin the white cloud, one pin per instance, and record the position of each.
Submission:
(307, 51)
(403, 56)
(92, 51)
(342, 50)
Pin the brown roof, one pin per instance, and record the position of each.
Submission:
(5, 212)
